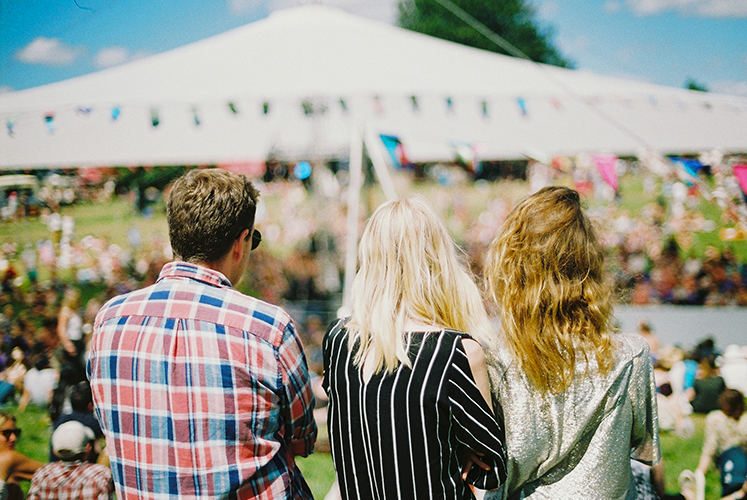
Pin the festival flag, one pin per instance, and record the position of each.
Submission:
(195, 116)
(10, 124)
(740, 172)
(522, 106)
(232, 108)
(449, 104)
(687, 169)
(466, 154)
(154, 119)
(415, 104)
(115, 113)
(84, 110)
(49, 122)
(607, 165)
(396, 150)
(377, 105)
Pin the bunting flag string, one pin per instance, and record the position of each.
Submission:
(417, 104)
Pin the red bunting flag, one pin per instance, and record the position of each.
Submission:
(740, 172)
(607, 168)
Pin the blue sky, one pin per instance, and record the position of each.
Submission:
(661, 41)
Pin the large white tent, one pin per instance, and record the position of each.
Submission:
(298, 82)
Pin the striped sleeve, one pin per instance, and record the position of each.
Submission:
(476, 426)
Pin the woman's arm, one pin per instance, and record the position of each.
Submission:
(65, 314)
(479, 367)
(23, 467)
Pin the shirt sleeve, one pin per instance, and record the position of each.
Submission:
(645, 434)
(299, 410)
(476, 426)
(710, 443)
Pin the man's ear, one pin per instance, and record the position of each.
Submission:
(239, 246)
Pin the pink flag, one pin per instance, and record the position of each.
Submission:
(740, 171)
(606, 165)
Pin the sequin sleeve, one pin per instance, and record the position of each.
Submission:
(645, 434)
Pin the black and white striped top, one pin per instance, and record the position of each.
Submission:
(399, 435)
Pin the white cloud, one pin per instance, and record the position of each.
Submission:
(706, 8)
(573, 46)
(612, 6)
(242, 6)
(547, 9)
(112, 56)
(729, 87)
(49, 51)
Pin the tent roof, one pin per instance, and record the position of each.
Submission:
(301, 62)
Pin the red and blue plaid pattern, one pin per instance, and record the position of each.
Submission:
(201, 391)
(71, 481)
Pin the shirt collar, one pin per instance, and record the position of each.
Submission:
(180, 269)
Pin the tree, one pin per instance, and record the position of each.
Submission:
(512, 20)
(691, 84)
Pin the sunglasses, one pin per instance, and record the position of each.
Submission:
(256, 239)
(11, 432)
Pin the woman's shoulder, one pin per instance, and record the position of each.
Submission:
(631, 344)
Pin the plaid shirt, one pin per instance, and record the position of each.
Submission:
(201, 391)
(71, 481)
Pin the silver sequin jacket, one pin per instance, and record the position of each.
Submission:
(578, 444)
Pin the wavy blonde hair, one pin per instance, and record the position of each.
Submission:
(545, 271)
(408, 269)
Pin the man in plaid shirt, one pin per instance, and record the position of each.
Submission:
(74, 477)
(201, 391)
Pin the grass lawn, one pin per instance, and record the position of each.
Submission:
(679, 454)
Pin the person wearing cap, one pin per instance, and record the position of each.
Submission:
(74, 476)
(202, 391)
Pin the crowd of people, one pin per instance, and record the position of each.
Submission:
(150, 373)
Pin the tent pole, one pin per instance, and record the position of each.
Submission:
(354, 195)
(382, 171)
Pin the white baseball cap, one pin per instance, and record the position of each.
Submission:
(71, 439)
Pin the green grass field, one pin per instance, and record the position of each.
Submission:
(679, 454)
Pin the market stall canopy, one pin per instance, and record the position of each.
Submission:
(296, 83)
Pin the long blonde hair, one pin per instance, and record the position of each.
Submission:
(545, 271)
(408, 269)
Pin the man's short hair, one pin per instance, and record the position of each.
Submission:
(207, 210)
(81, 397)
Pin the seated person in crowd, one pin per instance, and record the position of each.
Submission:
(75, 475)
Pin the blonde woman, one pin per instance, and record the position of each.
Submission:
(578, 399)
(14, 466)
(409, 395)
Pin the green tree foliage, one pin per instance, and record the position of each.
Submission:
(512, 20)
(691, 84)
